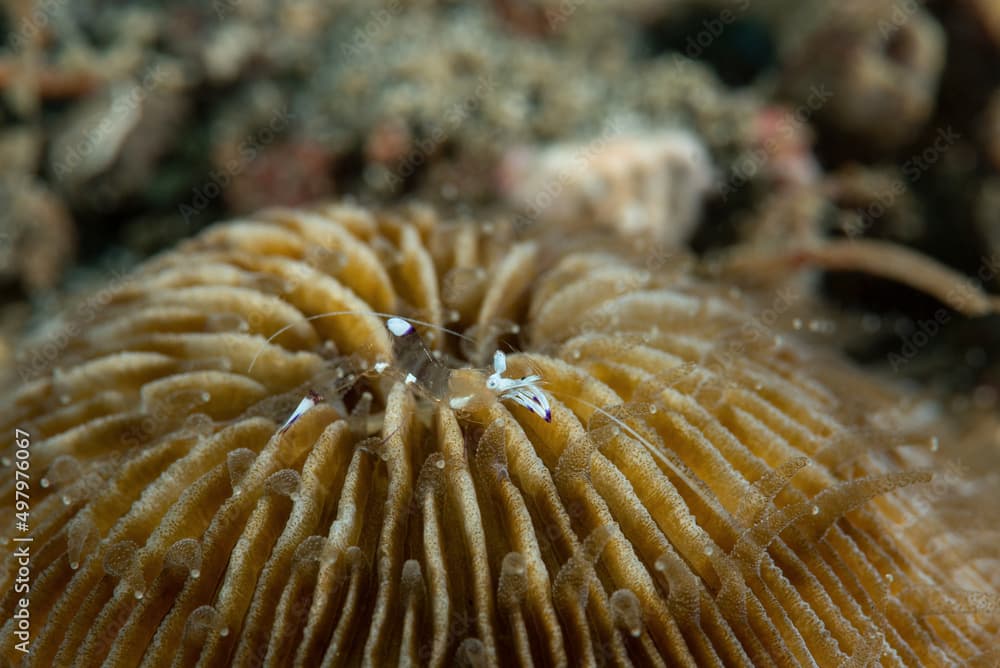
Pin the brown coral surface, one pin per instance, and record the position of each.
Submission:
(706, 493)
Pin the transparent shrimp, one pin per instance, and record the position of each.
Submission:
(417, 366)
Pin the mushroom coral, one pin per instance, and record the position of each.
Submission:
(707, 492)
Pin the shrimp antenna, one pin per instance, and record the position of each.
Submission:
(653, 450)
(336, 313)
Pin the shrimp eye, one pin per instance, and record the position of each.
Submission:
(491, 383)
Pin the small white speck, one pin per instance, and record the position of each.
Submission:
(380, 367)
(410, 379)
(822, 326)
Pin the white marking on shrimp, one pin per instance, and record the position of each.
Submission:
(522, 391)
(399, 327)
(310, 400)
(458, 403)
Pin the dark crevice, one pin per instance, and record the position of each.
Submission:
(737, 47)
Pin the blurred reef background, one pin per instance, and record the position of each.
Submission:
(126, 126)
